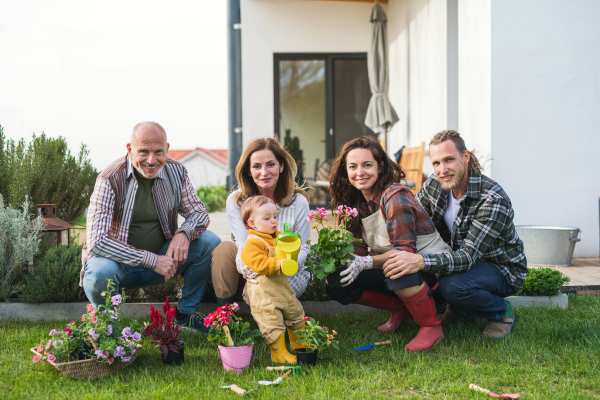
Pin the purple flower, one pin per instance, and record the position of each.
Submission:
(116, 300)
(126, 332)
(125, 359)
(114, 317)
(93, 334)
(60, 341)
(109, 330)
(137, 337)
(119, 351)
(132, 351)
(53, 332)
(54, 344)
(100, 354)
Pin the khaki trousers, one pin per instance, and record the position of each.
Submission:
(226, 280)
(274, 306)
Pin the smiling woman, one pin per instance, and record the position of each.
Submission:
(265, 168)
(390, 222)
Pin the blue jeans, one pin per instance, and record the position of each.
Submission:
(479, 292)
(196, 269)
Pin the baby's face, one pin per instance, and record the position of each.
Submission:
(264, 219)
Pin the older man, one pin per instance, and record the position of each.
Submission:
(132, 234)
(474, 216)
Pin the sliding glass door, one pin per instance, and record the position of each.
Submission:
(320, 103)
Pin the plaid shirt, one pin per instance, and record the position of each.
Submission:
(111, 208)
(483, 229)
(404, 217)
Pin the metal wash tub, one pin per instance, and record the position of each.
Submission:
(549, 245)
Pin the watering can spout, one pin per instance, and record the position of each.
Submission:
(287, 246)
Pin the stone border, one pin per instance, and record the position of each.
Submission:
(561, 301)
(73, 311)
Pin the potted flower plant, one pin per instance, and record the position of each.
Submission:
(166, 334)
(97, 346)
(233, 337)
(328, 257)
(316, 338)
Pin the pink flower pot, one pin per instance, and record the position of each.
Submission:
(236, 358)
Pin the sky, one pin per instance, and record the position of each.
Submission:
(90, 70)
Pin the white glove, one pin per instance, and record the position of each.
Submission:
(356, 266)
(246, 272)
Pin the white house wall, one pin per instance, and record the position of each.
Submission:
(290, 26)
(474, 78)
(545, 112)
(418, 79)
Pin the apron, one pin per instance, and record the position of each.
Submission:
(374, 233)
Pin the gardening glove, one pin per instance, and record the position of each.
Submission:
(355, 267)
(246, 272)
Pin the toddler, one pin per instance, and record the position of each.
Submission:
(273, 303)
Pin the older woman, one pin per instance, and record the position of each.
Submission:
(390, 219)
(265, 168)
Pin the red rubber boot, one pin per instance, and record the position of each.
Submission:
(422, 308)
(400, 314)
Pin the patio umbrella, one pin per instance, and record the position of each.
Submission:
(381, 116)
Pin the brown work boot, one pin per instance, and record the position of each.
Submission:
(499, 329)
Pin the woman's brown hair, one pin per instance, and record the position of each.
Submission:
(341, 190)
(286, 184)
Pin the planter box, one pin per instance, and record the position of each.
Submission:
(74, 311)
(561, 301)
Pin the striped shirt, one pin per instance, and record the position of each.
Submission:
(111, 208)
(483, 229)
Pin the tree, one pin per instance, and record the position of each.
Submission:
(45, 172)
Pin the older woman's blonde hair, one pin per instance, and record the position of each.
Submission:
(286, 185)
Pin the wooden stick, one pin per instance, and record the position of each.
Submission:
(478, 388)
(229, 339)
(282, 368)
(386, 342)
(287, 374)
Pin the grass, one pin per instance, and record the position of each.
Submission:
(551, 353)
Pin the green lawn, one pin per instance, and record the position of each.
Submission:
(550, 354)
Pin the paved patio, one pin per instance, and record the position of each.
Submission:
(583, 272)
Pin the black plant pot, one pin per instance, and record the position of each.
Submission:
(174, 358)
(307, 358)
(333, 279)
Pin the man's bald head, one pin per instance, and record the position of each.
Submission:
(147, 127)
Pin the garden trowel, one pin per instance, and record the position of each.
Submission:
(278, 380)
(370, 346)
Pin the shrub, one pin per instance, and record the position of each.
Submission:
(19, 242)
(543, 282)
(170, 289)
(55, 278)
(214, 197)
(45, 172)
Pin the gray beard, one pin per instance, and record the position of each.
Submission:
(139, 170)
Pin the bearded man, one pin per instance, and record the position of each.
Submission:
(474, 216)
(132, 233)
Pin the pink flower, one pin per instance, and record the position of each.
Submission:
(334, 332)
(310, 216)
(36, 359)
(328, 342)
(49, 344)
(354, 212)
(51, 357)
(40, 348)
(94, 320)
(306, 318)
(89, 307)
(93, 313)
(83, 317)
(111, 360)
(326, 329)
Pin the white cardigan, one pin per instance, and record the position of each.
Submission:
(295, 214)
